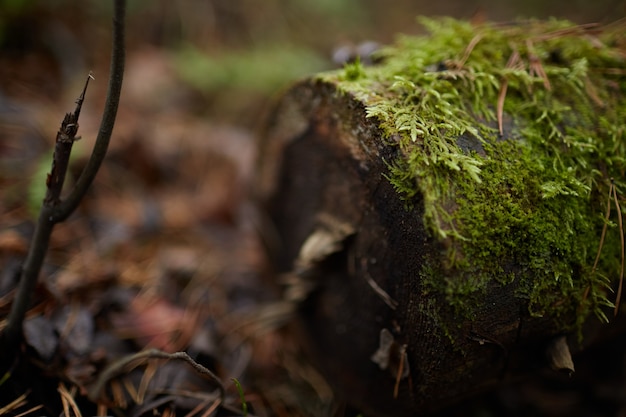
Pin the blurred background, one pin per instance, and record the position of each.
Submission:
(164, 251)
(215, 61)
(226, 56)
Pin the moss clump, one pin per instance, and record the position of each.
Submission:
(510, 134)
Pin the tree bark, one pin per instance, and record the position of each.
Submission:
(361, 254)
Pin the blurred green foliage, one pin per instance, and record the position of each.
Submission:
(261, 70)
(8, 10)
(13, 6)
(37, 188)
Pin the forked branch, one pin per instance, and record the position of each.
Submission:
(53, 209)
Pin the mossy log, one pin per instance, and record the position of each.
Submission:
(443, 215)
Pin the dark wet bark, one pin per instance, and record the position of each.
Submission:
(321, 159)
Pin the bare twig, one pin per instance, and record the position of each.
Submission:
(122, 364)
(108, 118)
(53, 209)
(66, 136)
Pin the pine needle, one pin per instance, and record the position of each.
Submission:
(514, 60)
(68, 401)
(621, 238)
(612, 195)
(400, 372)
(500, 109)
(469, 49)
(603, 235)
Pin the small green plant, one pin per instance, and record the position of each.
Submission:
(354, 70)
(242, 397)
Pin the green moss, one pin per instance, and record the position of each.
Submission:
(353, 71)
(526, 205)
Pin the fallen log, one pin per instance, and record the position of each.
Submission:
(451, 215)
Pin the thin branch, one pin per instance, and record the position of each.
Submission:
(108, 118)
(11, 336)
(54, 185)
(53, 210)
(66, 136)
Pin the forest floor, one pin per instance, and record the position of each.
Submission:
(165, 250)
